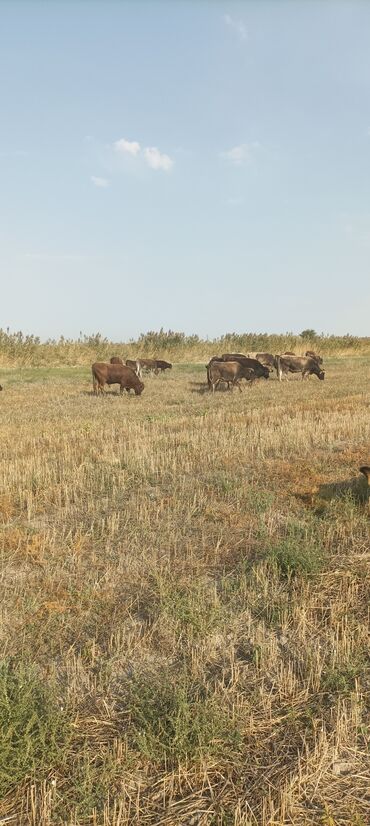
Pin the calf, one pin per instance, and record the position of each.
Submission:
(163, 365)
(115, 374)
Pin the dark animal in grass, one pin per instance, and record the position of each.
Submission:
(115, 374)
(163, 365)
(116, 360)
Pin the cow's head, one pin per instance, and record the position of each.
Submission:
(139, 388)
(321, 374)
(265, 373)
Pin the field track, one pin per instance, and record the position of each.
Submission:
(185, 600)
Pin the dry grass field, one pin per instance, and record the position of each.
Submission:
(185, 601)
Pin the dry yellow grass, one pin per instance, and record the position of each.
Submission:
(189, 575)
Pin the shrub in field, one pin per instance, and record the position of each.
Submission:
(17, 349)
(33, 729)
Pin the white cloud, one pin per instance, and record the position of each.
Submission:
(100, 182)
(240, 154)
(237, 26)
(127, 147)
(157, 160)
(150, 154)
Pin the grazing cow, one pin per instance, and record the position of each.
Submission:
(260, 370)
(135, 366)
(115, 374)
(116, 360)
(163, 365)
(312, 355)
(267, 359)
(298, 364)
(230, 372)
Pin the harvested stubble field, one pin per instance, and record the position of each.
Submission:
(185, 601)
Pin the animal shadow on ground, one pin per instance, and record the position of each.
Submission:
(318, 496)
(200, 387)
(101, 395)
(356, 489)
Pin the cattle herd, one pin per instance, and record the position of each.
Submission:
(229, 369)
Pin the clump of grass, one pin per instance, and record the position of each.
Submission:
(173, 719)
(33, 728)
(295, 556)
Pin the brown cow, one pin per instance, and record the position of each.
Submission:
(260, 370)
(298, 364)
(116, 360)
(115, 374)
(230, 372)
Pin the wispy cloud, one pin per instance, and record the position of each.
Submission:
(103, 183)
(151, 155)
(236, 26)
(243, 153)
(157, 160)
(127, 147)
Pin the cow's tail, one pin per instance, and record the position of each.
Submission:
(278, 368)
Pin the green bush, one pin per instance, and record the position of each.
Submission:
(33, 729)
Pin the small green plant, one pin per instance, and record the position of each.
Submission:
(33, 729)
(172, 719)
(340, 679)
(295, 555)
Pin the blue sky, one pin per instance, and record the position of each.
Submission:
(201, 166)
